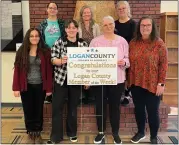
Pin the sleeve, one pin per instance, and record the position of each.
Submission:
(40, 28)
(16, 79)
(133, 28)
(49, 72)
(55, 50)
(126, 54)
(97, 30)
(85, 44)
(79, 30)
(163, 62)
(92, 43)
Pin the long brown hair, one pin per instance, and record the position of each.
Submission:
(154, 34)
(22, 55)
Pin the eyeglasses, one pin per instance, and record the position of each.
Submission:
(120, 9)
(36, 36)
(51, 8)
(108, 25)
(148, 25)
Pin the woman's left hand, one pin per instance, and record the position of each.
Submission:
(48, 94)
(160, 90)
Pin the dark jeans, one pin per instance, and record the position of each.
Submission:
(112, 94)
(58, 101)
(142, 99)
(87, 97)
(32, 102)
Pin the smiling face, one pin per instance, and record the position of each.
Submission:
(52, 9)
(86, 14)
(34, 37)
(122, 10)
(108, 26)
(146, 27)
(71, 30)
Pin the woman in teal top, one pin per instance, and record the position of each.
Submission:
(51, 29)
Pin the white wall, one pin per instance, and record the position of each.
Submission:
(7, 76)
(8, 61)
(169, 6)
(8, 58)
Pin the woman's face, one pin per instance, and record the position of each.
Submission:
(146, 27)
(122, 10)
(71, 30)
(34, 37)
(86, 14)
(108, 26)
(52, 9)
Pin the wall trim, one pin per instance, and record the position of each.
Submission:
(11, 104)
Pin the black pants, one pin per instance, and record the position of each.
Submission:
(142, 99)
(32, 102)
(112, 94)
(58, 100)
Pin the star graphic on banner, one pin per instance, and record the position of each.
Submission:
(92, 50)
(87, 50)
(96, 50)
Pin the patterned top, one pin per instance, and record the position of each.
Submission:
(149, 63)
(87, 35)
(43, 25)
(34, 74)
(59, 50)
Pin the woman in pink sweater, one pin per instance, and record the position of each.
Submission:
(110, 93)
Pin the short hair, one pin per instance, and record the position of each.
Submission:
(51, 3)
(127, 5)
(109, 18)
(68, 22)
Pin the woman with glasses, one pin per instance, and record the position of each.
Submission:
(147, 74)
(51, 29)
(125, 27)
(33, 81)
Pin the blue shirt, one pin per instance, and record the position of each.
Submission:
(52, 33)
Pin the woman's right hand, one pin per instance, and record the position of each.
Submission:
(86, 87)
(64, 60)
(17, 93)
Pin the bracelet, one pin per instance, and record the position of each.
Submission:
(160, 84)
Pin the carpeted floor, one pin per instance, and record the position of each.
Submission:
(13, 131)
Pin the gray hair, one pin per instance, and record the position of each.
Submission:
(81, 13)
(109, 18)
(127, 5)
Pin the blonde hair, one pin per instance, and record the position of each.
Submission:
(81, 14)
(127, 6)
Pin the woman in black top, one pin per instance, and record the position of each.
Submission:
(125, 27)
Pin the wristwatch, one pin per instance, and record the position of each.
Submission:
(160, 84)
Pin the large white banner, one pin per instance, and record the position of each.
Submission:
(92, 66)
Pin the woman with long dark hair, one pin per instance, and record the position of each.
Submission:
(147, 74)
(33, 81)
